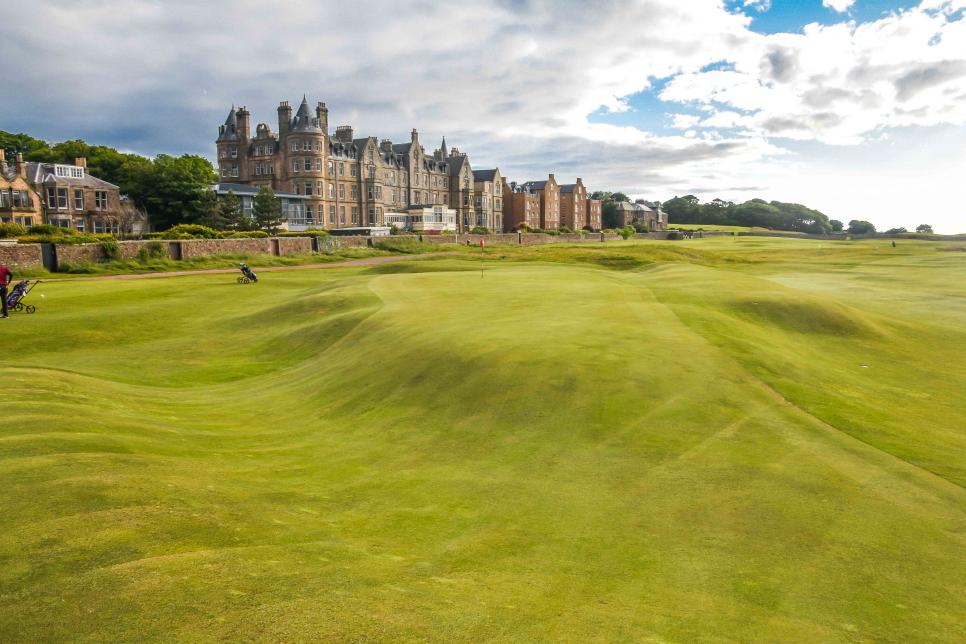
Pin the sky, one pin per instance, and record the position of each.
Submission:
(854, 107)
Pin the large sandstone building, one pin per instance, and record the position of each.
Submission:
(344, 180)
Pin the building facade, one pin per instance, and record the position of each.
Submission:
(521, 207)
(347, 181)
(641, 212)
(73, 198)
(594, 214)
(488, 205)
(573, 205)
(549, 193)
(19, 203)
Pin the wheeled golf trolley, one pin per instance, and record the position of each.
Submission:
(248, 275)
(15, 299)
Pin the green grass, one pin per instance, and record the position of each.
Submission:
(717, 439)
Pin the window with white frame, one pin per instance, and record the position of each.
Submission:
(269, 149)
(306, 146)
(331, 214)
(80, 224)
(308, 188)
(295, 165)
(4, 199)
(78, 199)
(100, 199)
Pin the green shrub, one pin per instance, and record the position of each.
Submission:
(626, 232)
(480, 230)
(191, 231)
(152, 250)
(50, 229)
(112, 250)
(311, 232)
(11, 230)
(565, 230)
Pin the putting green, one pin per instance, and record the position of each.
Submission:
(727, 440)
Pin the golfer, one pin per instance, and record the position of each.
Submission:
(5, 278)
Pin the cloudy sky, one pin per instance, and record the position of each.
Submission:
(855, 107)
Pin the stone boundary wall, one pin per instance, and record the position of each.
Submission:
(294, 245)
(79, 254)
(350, 241)
(21, 256)
(211, 247)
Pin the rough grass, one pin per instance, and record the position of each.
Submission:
(727, 440)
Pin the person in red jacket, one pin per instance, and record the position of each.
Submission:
(5, 278)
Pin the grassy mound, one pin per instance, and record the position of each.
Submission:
(554, 451)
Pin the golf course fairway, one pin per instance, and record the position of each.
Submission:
(711, 440)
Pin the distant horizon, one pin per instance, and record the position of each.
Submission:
(856, 109)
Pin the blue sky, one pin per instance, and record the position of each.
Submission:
(860, 117)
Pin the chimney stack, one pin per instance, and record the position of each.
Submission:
(322, 113)
(344, 133)
(81, 162)
(244, 124)
(3, 162)
(284, 117)
(21, 167)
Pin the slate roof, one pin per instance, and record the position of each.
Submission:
(43, 173)
(304, 121)
(484, 175)
(229, 131)
(636, 207)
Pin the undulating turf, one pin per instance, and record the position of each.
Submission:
(720, 439)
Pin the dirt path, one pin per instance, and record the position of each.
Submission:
(368, 261)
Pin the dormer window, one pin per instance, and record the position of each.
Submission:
(70, 171)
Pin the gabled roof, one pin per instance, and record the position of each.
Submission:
(535, 185)
(456, 164)
(636, 207)
(568, 187)
(485, 175)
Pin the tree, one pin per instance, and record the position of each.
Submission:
(210, 208)
(860, 227)
(684, 210)
(896, 231)
(924, 228)
(619, 196)
(267, 210)
(608, 214)
(837, 225)
(173, 189)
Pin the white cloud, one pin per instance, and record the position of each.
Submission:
(838, 5)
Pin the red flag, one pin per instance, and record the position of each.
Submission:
(482, 242)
